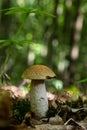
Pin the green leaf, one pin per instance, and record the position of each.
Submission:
(21, 10)
(5, 43)
(45, 13)
(1, 41)
(27, 10)
(82, 81)
(14, 10)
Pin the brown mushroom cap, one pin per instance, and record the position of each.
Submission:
(38, 72)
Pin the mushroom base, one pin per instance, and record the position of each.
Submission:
(38, 98)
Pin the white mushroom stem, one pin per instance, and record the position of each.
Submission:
(38, 98)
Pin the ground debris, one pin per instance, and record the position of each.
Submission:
(48, 127)
(75, 125)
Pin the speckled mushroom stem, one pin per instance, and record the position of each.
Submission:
(38, 98)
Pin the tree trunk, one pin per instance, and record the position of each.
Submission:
(4, 29)
(53, 36)
(74, 41)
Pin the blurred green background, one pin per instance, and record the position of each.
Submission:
(49, 32)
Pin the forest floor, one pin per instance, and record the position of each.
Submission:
(65, 112)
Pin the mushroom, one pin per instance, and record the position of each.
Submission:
(38, 96)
